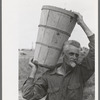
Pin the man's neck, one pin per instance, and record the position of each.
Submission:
(64, 69)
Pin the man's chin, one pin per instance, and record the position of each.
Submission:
(73, 64)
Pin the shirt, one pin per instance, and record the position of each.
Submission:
(59, 87)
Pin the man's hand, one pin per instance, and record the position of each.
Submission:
(79, 18)
(82, 24)
(34, 66)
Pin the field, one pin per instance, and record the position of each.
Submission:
(24, 71)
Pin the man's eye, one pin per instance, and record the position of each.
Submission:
(77, 55)
(71, 54)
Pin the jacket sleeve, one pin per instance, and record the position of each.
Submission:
(34, 90)
(88, 63)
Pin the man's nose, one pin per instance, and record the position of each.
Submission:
(74, 56)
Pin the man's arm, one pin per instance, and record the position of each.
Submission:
(88, 62)
(34, 89)
(81, 22)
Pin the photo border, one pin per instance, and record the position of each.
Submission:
(0, 49)
(98, 50)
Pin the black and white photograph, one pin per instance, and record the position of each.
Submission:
(51, 49)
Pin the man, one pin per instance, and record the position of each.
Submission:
(66, 81)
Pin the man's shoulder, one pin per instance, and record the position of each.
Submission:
(52, 70)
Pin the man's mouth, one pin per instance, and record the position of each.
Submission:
(75, 61)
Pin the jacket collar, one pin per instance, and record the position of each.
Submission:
(55, 71)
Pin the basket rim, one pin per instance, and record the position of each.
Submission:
(58, 9)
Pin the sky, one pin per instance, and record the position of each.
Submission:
(29, 13)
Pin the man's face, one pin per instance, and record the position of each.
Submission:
(71, 55)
